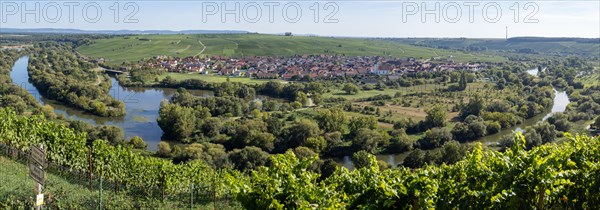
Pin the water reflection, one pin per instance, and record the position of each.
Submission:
(141, 105)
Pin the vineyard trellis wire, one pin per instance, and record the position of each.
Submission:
(121, 168)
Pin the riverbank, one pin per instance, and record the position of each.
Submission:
(140, 103)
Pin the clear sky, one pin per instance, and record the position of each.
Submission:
(384, 18)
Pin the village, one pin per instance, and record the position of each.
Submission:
(305, 66)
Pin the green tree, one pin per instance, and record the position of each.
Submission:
(317, 99)
(415, 159)
(317, 144)
(300, 131)
(474, 107)
(302, 98)
(452, 152)
(597, 123)
(462, 83)
(560, 121)
(436, 117)
(350, 89)
(164, 149)
(358, 122)
(368, 140)
(304, 152)
(176, 121)
(361, 159)
(138, 143)
(435, 138)
(248, 158)
(331, 120)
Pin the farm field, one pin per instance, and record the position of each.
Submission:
(136, 47)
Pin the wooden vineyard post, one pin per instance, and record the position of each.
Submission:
(37, 164)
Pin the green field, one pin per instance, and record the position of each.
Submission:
(134, 48)
(591, 80)
(214, 78)
(539, 45)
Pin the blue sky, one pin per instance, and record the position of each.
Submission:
(346, 18)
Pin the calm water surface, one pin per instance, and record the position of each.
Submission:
(141, 106)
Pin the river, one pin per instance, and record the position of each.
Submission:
(560, 102)
(141, 106)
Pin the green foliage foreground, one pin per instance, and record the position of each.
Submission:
(565, 175)
(558, 176)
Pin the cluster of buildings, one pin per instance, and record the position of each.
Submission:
(313, 66)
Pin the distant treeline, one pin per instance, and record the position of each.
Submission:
(554, 39)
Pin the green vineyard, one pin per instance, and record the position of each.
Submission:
(563, 175)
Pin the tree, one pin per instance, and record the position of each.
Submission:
(452, 152)
(501, 84)
(474, 107)
(263, 140)
(435, 138)
(164, 149)
(296, 105)
(533, 138)
(462, 83)
(302, 98)
(317, 99)
(400, 142)
(317, 144)
(304, 152)
(473, 128)
(358, 122)
(546, 130)
(138, 143)
(331, 120)
(415, 159)
(176, 121)
(248, 158)
(368, 140)
(361, 159)
(493, 127)
(436, 117)
(300, 131)
(351, 89)
(560, 121)
(596, 124)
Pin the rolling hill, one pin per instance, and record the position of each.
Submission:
(528, 45)
(132, 48)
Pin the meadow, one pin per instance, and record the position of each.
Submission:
(133, 48)
(214, 78)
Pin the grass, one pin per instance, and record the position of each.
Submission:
(17, 188)
(134, 48)
(214, 78)
(416, 100)
(591, 80)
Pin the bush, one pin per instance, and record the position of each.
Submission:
(138, 143)
(493, 127)
(434, 138)
(164, 149)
